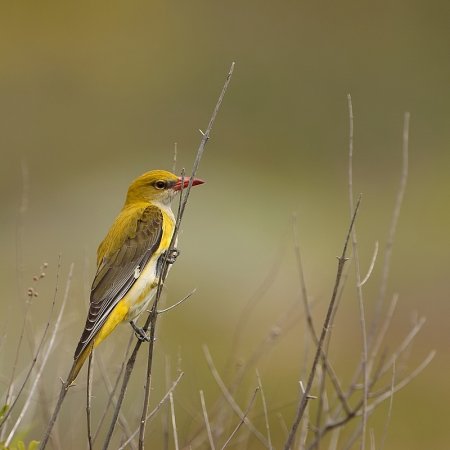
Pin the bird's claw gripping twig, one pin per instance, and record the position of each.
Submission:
(140, 333)
(172, 255)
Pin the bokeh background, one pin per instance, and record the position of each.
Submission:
(92, 94)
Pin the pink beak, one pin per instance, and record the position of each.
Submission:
(183, 183)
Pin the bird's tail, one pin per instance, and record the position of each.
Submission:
(78, 364)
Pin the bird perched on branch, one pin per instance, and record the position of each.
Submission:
(129, 260)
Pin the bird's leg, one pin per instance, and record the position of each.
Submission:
(140, 333)
(172, 255)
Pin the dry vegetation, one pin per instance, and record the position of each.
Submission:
(332, 411)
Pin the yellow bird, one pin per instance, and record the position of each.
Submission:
(129, 260)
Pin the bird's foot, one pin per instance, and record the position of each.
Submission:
(172, 255)
(140, 333)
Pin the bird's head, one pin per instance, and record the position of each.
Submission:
(158, 186)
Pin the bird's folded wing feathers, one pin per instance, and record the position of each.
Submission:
(116, 271)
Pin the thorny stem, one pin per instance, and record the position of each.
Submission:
(305, 397)
(242, 421)
(326, 363)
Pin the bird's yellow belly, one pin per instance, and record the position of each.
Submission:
(145, 287)
(143, 290)
(134, 302)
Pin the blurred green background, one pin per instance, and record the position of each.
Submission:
(92, 94)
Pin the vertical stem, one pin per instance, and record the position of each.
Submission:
(362, 318)
(305, 397)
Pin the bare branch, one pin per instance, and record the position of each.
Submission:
(19, 269)
(175, 155)
(154, 411)
(404, 382)
(362, 316)
(112, 399)
(174, 423)
(39, 348)
(389, 413)
(305, 397)
(231, 401)
(309, 322)
(372, 265)
(393, 227)
(161, 311)
(403, 346)
(43, 364)
(207, 424)
(243, 419)
(266, 415)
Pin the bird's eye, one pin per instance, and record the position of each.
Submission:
(160, 184)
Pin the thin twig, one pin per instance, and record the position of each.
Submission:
(376, 346)
(404, 382)
(231, 401)
(383, 367)
(379, 398)
(288, 320)
(165, 414)
(112, 400)
(128, 370)
(305, 397)
(304, 429)
(362, 316)
(321, 382)
(309, 322)
(384, 328)
(353, 437)
(334, 439)
(161, 311)
(372, 439)
(283, 424)
(175, 155)
(154, 411)
(39, 348)
(371, 266)
(392, 228)
(148, 380)
(243, 419)
(403, 346)
(174, 423)
(266, 415)
(19, 268)
(389, 413)
(207, 424)
(43, 364)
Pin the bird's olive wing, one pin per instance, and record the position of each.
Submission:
(118, 271)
